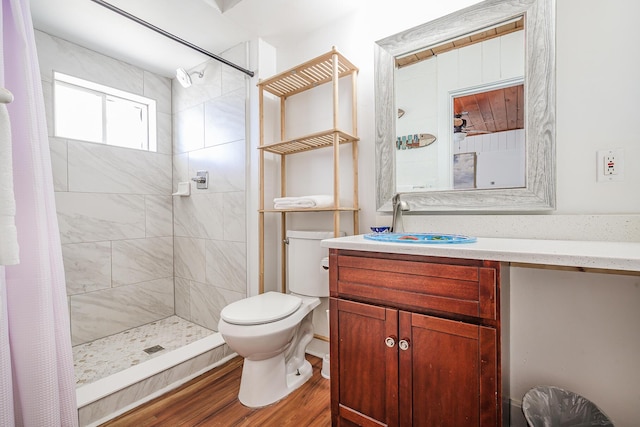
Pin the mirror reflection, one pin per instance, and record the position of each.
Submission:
(488, 128)
(467, 95)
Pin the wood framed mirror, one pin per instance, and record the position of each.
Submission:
(537, 192)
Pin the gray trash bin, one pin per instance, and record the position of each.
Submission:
(549, 406)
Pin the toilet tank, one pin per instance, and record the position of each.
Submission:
(305, 272)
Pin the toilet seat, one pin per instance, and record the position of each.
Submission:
(264, 308)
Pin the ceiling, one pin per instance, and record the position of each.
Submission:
(491, 111)
(499, 30)
(214, 25)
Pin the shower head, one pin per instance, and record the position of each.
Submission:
(184, 77)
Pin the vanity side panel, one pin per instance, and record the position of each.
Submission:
(490, 394)
(488, 288)
(333, 272)
(334, 371)
(503, 299)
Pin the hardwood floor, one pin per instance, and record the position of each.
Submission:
(212, 400)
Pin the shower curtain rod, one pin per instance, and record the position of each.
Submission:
(171, 36)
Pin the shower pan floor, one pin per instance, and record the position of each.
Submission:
(105, 356)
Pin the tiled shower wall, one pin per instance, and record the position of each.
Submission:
(114, 204)
(210, 249)
(122, 231)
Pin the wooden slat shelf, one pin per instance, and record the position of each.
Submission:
(308, 142)
(325, 69)
(341, 209)
(308, 75)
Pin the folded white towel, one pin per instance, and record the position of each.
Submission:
(315, 201)
(8, 232)
(292, 202)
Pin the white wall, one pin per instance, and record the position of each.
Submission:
(596, 91)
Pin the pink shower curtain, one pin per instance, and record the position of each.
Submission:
(36, 363)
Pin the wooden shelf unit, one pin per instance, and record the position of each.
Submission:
(327, 68)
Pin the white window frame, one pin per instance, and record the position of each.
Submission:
(107, 94)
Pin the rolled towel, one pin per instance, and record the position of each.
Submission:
(314, 201)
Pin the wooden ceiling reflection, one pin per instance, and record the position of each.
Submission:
(492, 111)
(477, 37)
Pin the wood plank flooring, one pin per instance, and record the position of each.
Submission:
(212, 400)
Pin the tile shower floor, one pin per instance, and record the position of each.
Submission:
(105, 356)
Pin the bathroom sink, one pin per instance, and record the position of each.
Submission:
(420, 238)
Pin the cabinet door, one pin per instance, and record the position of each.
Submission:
(364, 364)
(447, 374)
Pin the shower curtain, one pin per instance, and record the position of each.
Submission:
(36, 363)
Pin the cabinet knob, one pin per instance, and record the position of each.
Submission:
(403, 344)
(390, 341)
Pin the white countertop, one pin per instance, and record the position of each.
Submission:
(586, 254)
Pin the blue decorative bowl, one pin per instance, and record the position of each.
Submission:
(423, 238)
(380, 229)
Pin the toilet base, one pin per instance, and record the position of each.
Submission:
(265, 382)
(296, 380)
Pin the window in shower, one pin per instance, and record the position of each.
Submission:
(92, 112)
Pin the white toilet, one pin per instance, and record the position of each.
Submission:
(272, 330)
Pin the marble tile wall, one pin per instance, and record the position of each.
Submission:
(210, 244)
(114, 204)
(133, 253)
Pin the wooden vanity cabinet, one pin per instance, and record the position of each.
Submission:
(415, 341)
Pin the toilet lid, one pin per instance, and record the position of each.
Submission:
(263, 308)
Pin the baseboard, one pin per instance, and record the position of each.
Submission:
(517, 416)
(318, 348)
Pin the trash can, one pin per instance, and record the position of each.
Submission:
(549, 406)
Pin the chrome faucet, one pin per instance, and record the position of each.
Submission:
(398, 207)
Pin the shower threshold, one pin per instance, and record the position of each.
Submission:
(152, 375)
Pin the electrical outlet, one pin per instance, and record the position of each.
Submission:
(610, 165)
